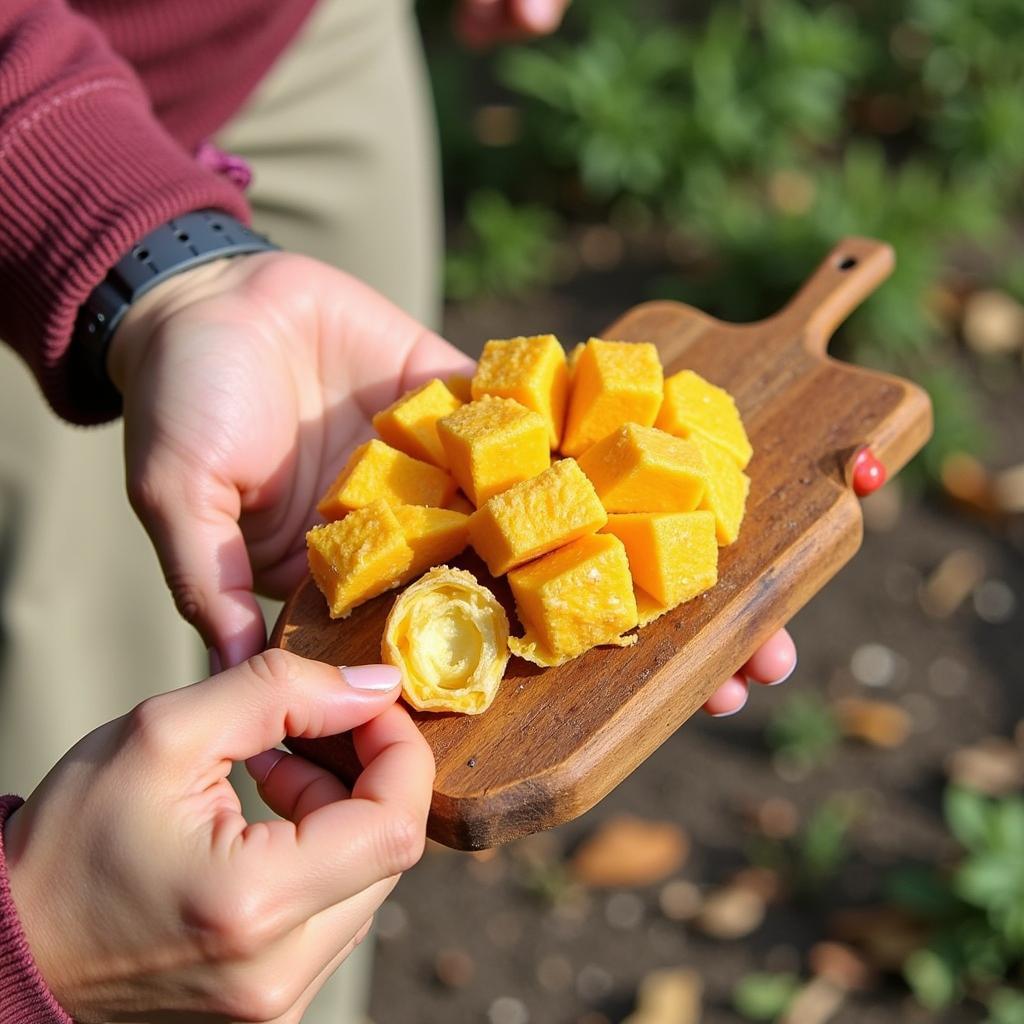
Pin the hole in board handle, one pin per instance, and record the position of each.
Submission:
(847, 262)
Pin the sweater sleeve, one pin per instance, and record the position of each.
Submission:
(24, 996)
(86, 170)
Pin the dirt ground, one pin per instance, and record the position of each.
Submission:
(511, 939)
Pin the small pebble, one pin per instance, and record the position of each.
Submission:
(624, 910)
(873, 665)
(994, 602)
(947, 676)
(454, 968)
(554, 973)
(593, 983)
(508, 1010)
(680, 900)
(777, 818)
(391, 921)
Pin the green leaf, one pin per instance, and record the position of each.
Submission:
(764, 996)
(1005, 1006)
(968, 815)
(931, 978)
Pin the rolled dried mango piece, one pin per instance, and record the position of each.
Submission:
(461, 387)
(614, 382)
(493, 443)
(728, 487)
(673, 556)
(434, 534)
(693, 405)
(449, 637)
(410, 424)
(530, 370)
(642, 469)
(536, 516)
(573, 599)
(375, 471)
(358, 557)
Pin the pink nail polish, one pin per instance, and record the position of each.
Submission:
(375, 678)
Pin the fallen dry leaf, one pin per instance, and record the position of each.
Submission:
(731, 912)
(994, 766)
(951, 583)
(818, 1001)
(841, 965)
(876, 722)
(670, 996)
(630, 851)
(454, 968)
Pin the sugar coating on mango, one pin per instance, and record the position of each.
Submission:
(614, 382)
(728, 487)
(358, 557)
(536, 516)
(642, 469)
(493, 443)
(448, 636)
(410, 424)
(377, 472)
(673, 556)
(435, 535)
(530, 370)
(573, 599)
(461, 387)
(693, 405)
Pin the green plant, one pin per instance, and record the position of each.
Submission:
(764, 995)
(505, 249)
(803, 730)
(976, 908)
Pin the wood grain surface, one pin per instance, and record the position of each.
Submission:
(556, 740)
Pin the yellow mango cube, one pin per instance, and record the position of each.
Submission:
(673, 556)
(647, 608)
(434, 534)
(573, 358)
(642, 469)
(530, 370)
(410, 424)
(460, 503)
(460, 386)
(614, 382)
(693, 406)
(728, 487)
(375, 471)
(574, 599)
(358, 557)
(536, 516)
(493, 443)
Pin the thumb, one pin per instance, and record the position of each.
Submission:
(192, 520)
(252, 707)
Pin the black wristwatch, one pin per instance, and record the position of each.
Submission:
(182, 243)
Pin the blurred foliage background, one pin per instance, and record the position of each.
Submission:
(745, 138)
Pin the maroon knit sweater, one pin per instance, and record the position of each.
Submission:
(102, 103)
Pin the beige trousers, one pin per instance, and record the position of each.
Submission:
(340, 138)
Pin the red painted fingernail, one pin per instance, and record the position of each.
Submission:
(868, 473)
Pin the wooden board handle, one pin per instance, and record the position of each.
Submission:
(850, 272)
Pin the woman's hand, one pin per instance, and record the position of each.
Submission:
(139, 884)
(246, 384)
(485, 22)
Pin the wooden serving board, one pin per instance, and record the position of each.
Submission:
(556, 740)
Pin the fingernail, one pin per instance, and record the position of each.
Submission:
(377, 678)
(215, 662)
(729, 714)
(541, 14)
(261, 765)
(782, 679)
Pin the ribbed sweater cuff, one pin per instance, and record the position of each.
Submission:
(24, 996)
(82, 180)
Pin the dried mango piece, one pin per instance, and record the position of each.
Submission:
(642, 469)
(692, 405)
(410, 424)
(573, 358)
(376, 471)
(728, 487)
(460, 387)
(358, 557)
(574, 599)
(460, 503)
(673, 556)
(530, 370)
(493, 443)
(647, 608)
(434, 534)
(449, 637)
(614, 382)
(536, 516)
